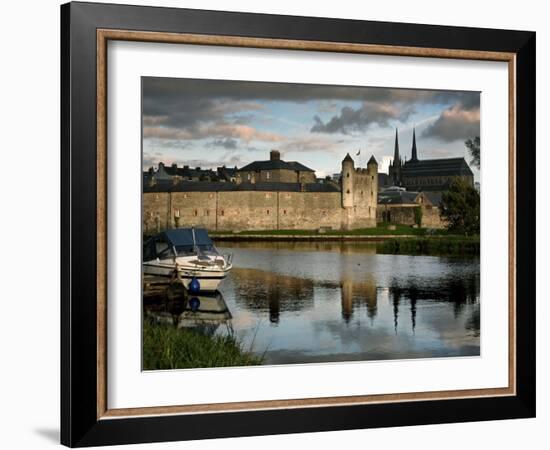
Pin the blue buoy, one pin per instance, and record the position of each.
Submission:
(194, 303)
(194, 286)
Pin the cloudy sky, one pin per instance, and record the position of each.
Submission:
(209, 123)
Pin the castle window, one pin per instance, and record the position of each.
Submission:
(222, 212)
(248, 176)
(361, 192)
(347, 175)
(284, 211)
(268, 175)
(207, 212)
(372, 178)
(347, 192)
(267, 212)
(184, 195)
(196, 213)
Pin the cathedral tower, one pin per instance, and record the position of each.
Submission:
(395, 166)
(414, 157)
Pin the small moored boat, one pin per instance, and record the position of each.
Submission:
(185, 254)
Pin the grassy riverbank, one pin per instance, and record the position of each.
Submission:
(448, 245)
(166, 347)
(380, 230)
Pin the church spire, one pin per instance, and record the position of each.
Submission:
(396, 159)
(414, 154)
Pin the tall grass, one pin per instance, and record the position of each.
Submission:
(166, 347)
(449, 245)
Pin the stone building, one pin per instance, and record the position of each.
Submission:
(266, 205)
(397, 206)
(275, 170)
(175, 174)
(427, 174)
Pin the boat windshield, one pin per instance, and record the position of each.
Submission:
(191, 250)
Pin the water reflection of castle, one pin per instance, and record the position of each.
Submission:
(273, 294)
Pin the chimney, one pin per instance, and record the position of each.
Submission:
(174, 166)
(274, 155)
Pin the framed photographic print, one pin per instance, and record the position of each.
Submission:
(277, 224)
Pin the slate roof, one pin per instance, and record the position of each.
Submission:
(437, 167)
(434, 197)
(397, 198)
(275, 165)
(205, 186)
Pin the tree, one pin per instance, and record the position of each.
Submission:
(473, 146)
(460, 208)
(418, 215)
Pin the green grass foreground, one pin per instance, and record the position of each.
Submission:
(448, 245)
(166, 347)
(380, 230)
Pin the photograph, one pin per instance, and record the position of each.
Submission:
(288, 223)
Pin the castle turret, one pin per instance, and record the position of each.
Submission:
(372, 170)
(348, 171)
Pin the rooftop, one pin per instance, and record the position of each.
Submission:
(275, 165)
(437, 167)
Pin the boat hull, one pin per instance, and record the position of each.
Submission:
(209, 280)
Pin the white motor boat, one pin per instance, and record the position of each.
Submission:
(185, 254)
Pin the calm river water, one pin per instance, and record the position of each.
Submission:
(318, 302)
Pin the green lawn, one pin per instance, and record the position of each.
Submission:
(381, 229)
(166, 347)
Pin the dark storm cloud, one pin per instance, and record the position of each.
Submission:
(158, 91)
(229, 144)
(189, 109)
(459, 122)
(350, 120)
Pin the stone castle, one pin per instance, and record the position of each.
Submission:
(286, 195)
(264, 195)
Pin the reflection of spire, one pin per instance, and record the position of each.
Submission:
(274, 305)
(347, 299)
(413, 313)
(396, 299)
(413, 297)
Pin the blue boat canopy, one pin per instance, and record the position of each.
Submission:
(181, 237)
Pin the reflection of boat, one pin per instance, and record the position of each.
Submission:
(186, 253)
(204, 310)
(203, 313)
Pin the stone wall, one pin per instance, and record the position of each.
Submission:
(404, 215)
(253, 210)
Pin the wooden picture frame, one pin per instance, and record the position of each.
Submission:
(85, 416)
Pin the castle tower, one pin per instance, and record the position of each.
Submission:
(395, 167)
(414, 157)
(372, 170)
(348, 172)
